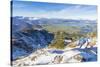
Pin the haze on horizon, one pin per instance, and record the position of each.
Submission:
(54, 10)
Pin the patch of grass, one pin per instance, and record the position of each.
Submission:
(58, 41)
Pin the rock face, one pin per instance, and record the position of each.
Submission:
(24, 43)
(27, 37)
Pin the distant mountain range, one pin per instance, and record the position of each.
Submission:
(33, 20)
(19, 22)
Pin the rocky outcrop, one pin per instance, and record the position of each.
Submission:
(24, 43)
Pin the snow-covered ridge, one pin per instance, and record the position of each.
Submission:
(44, 56)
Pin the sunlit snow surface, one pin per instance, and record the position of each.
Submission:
(54, 56)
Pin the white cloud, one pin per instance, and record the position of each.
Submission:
(76, 12)
(71, 12)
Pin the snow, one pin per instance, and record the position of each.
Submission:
(67, 40)
(47, 56)
(44, 59)
(34, 18)
(67, 56)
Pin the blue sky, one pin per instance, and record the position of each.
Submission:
(54, 10)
